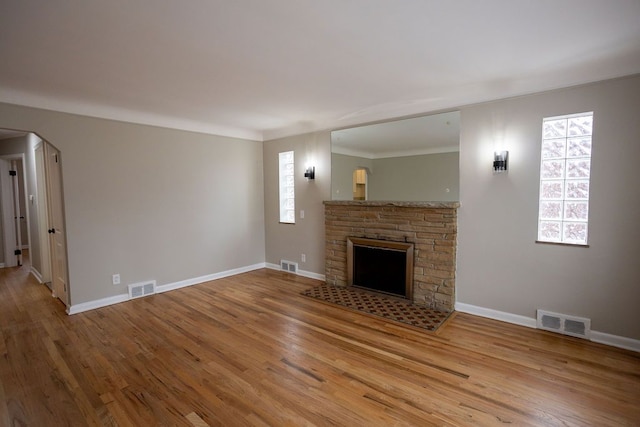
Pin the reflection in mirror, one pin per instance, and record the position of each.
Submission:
(412, 159)
(360, 184)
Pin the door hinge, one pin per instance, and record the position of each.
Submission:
(56, 156)
(17, 252)
(13, 173)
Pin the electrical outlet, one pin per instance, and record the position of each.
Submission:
(303, 257)
(115, 279)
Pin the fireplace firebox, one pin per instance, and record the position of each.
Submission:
(381, 266)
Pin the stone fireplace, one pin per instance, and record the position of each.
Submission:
(429, 227)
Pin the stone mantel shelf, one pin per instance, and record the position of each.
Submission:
(446, 205)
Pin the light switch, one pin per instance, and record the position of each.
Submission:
(301, 214)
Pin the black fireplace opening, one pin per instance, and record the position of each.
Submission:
(381, 266)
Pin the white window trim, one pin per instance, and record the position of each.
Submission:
(564, 181)
(286, 182)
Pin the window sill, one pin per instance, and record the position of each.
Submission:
(580, 245)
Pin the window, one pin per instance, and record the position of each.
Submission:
(287, 189)
(565, 169)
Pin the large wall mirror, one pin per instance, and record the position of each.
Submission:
(412, 159)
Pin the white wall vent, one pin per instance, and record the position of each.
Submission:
(564, 324)
(290, 266)
(142, 289)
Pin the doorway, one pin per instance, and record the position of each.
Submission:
(15, 227)
(39, 167)
(360, 184)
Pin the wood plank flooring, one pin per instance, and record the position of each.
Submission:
(250, 350)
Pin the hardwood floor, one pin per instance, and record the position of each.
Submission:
(249, 350)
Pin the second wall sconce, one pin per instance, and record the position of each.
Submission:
(310, 173)
(500, 161)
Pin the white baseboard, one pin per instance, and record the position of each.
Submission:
(530, 322)
(311, 275)
(207, 278)
(303, 273)
(99, 303)
(103, 302)
(616, 341)
(516, 319)
(35, 273)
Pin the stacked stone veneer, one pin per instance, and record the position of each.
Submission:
(430, 226)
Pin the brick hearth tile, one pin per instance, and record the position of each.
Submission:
(379, 305)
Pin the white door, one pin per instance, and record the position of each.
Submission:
(43, 216)
(56, 230)
(8, 215)
(22, 200)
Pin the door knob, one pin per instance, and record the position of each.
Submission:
(53, 230)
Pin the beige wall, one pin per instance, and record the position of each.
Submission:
(500, 266)
(150, 203)
(289, 241)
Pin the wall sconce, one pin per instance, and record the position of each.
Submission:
(500, 161)
(310, 173)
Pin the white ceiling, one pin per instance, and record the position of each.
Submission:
(262, 69)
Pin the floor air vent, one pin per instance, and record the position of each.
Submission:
(291, 267)
(564, 324)
(143, 289)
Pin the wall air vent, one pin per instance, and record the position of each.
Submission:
(289, 266)
(142, 289)
(564, 324)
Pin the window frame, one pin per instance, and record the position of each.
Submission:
(286, 187)
(565, 180)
